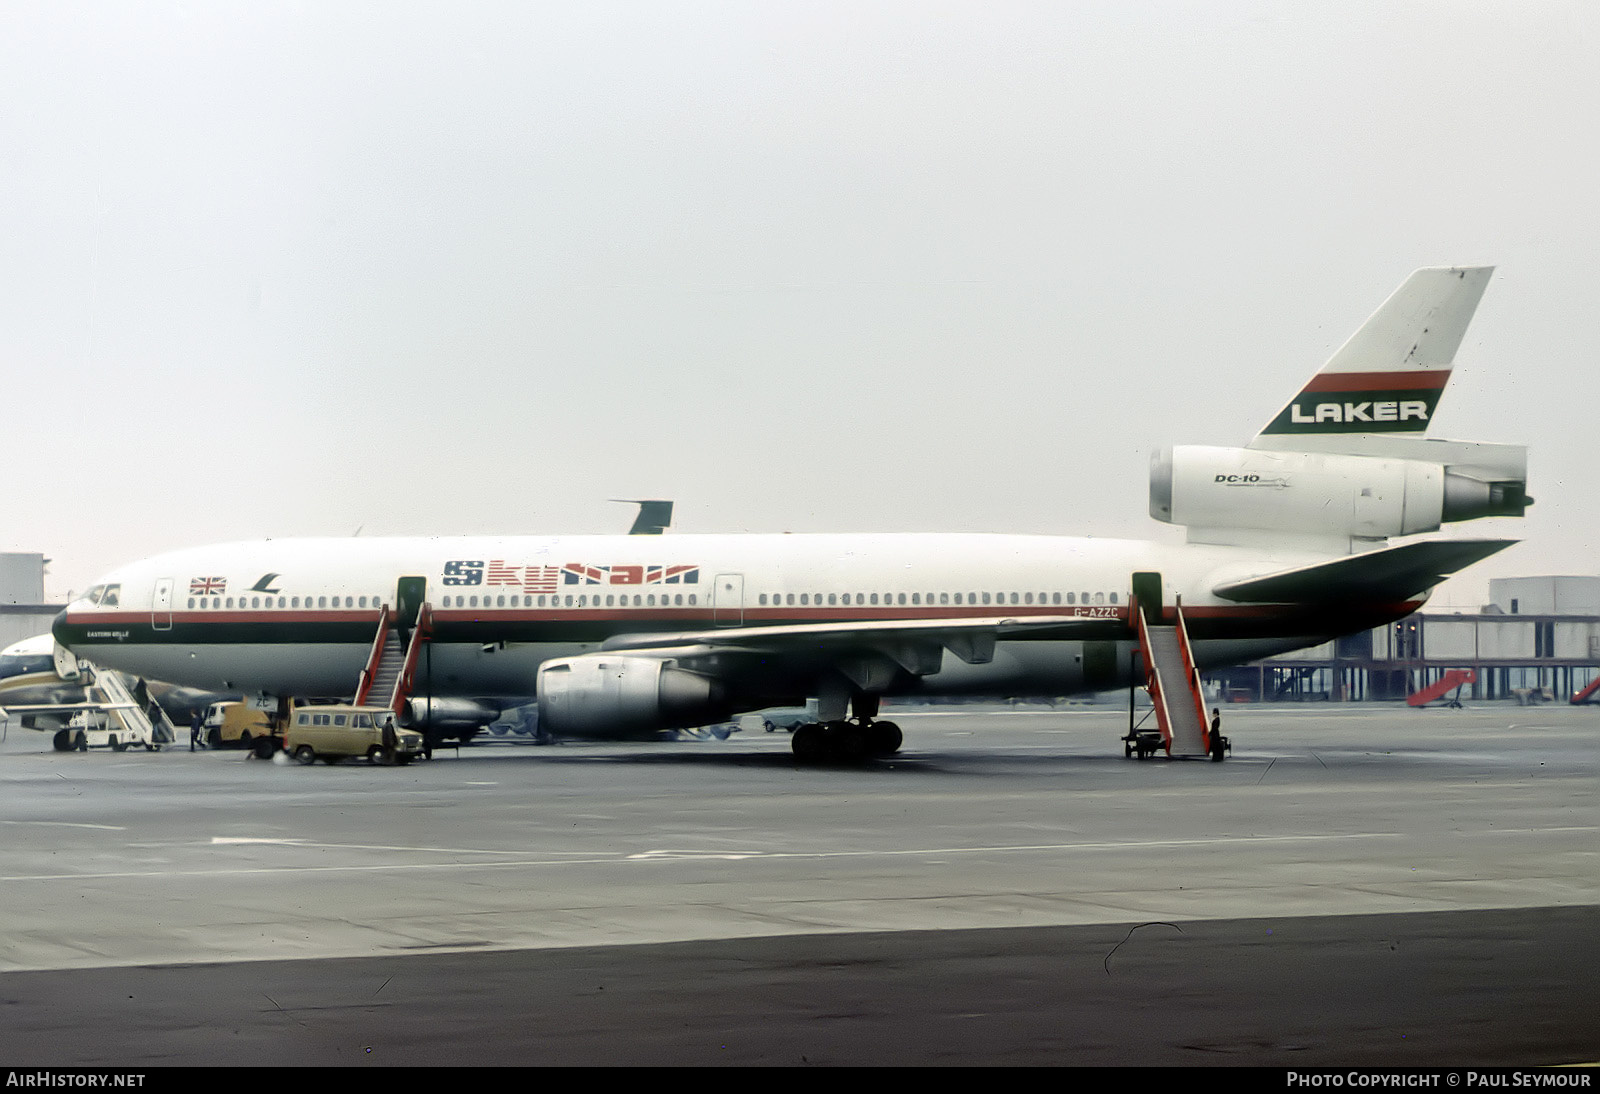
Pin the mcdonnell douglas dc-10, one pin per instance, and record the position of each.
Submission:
(625, 636)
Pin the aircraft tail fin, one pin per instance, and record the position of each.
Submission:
(1389, 376)
(654, 517)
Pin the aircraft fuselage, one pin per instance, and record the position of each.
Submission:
(297, 617)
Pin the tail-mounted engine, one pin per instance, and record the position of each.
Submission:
(617, 696)
(1337, 494)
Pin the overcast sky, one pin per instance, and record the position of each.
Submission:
(273, 269)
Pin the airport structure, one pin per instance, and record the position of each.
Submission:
(23, 611)
(1538, 639)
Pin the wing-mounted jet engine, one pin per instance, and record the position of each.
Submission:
(1345, 459)
(620, 695)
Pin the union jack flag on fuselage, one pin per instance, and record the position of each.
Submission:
(208, 586)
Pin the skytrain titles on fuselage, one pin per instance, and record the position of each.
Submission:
(536, 579)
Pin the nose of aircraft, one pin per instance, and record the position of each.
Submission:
(67, 666)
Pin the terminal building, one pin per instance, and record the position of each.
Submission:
(1537, 639)
(23, 611)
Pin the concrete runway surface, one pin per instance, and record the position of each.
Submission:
(1357, 885)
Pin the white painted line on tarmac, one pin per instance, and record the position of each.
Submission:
(589, 859)
(413, 849)
(70, 824)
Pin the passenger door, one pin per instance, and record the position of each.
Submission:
(409, 595)
(1147, 592)
(728, 600)
(161, 605)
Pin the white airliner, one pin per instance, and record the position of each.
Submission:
(622, 636)
(28, 678)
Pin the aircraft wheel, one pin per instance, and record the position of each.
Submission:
(847, 742)
(810, 743)
(304, 755)
(885, 738)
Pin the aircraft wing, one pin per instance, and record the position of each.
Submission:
(1393, 574)
(868, 647)
(866, 629)
(63, 708)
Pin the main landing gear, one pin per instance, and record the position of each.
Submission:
(845, 741)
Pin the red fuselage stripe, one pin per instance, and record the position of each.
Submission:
(751, 616)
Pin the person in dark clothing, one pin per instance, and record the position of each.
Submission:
(197, 731)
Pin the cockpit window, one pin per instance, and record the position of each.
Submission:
(104, 596)
(19, 664)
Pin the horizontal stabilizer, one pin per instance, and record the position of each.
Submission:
(1394, 574)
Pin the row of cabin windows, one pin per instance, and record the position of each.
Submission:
(649, 600)
(789, 599)
(581, 600)
(210, 602)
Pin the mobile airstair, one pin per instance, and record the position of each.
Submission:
(390, 673)
(1173, 683)
(122, 718)
(1454, 680)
